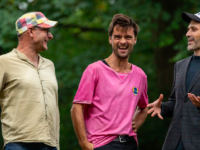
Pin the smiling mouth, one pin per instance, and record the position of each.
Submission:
(190, 41)
(123, 48)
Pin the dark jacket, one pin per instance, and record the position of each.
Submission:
(185, 116)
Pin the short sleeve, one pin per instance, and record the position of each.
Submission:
(143, 101)
(2, 77)
(85, 92)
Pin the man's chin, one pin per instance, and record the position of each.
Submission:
(45, 48)
(192, 49)
(42, 50)
(122, 56)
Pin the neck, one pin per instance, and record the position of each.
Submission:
(197, 52)
(117, 64)
(30, 53)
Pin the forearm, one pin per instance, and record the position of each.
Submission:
(140, 116)
(78, 123)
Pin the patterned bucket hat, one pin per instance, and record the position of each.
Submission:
(32, 19)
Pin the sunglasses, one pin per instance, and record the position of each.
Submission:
(46, 29)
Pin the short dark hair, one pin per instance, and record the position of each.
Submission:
(123, 21)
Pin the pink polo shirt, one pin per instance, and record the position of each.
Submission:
(111, 100)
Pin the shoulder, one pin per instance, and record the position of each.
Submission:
(180, 62)
(48, 62)
(6, 58)
(7, 55)
(138, 70)
(95, 66)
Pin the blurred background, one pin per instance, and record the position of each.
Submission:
(81, 37)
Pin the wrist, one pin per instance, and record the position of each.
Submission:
(83, 143)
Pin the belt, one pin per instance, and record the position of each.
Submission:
(124, 138)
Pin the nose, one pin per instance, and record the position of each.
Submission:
(123, 41)
(188, 34)
(50, 36)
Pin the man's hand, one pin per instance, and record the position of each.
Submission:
(195, 100)
(139, 118)
(155, 107)
(87, 146)
(134, 126)
(79, 126)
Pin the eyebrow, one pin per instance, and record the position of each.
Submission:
(116, 35)
(191, 27)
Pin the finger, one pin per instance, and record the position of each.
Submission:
(190, 97)
(197, 102)
(150, 105)
(159, 116)
(153, 114)
(198, 98)
(150, 110)
(133, 126)
(193, 98)
(160, 98)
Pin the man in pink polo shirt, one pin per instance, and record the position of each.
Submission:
(108, 94)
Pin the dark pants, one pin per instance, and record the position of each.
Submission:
(114, 145)
(28, 146)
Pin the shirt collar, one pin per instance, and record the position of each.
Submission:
(23, 56)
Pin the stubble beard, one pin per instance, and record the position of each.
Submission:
(195, 46)
(115, 50)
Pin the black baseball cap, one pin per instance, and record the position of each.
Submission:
(188, 17)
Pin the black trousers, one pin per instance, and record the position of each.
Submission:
(115, 145)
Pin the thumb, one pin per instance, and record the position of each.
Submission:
(160, 98)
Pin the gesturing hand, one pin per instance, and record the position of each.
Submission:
(195, 100)
(155, 107)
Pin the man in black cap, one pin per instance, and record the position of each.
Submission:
(184, 102)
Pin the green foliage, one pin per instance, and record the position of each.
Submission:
(81, 38)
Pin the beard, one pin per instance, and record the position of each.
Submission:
(121, 56)
(195, 46)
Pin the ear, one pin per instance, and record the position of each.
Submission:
(110, 40)
(30, 32)
(135, 41)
